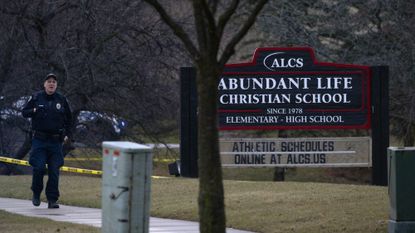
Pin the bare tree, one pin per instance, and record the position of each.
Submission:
(111, 57)
(209, 53)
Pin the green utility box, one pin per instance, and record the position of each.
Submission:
(401, 174)
(126, 182)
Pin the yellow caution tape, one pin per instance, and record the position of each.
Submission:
(83, 159)
(14, 161)
(100, 159)
(64, 168)
(164, 160)
(81, 170)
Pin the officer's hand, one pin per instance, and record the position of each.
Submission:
(65, 139)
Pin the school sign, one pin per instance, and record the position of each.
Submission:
(287, 88)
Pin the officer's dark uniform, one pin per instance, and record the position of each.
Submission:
(50, 124)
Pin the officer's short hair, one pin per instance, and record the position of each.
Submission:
(51, 75)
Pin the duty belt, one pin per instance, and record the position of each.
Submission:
(43, 135)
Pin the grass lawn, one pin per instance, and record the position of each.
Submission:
(13, 223)
(257, 206)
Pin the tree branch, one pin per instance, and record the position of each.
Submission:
(177, 30)
(224, 18)
(230, 47)
(212, 40)
(200, 25)
(213, 6)
(47, 18)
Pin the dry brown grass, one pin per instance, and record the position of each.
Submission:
(270, 207)
(13, 223)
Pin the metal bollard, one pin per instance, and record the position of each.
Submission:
(126, 183)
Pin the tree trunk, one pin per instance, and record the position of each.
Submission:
(211, 194)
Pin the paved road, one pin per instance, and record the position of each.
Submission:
(92, 217)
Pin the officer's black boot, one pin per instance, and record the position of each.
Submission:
(36, 199)
(53, 205)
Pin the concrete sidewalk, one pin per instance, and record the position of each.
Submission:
(92, 217)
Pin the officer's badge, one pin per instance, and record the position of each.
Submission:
(58, 106)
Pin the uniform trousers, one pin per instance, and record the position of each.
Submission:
(46, 151)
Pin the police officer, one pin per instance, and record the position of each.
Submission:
(51, 125)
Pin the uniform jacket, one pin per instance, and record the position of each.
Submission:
(53, 114)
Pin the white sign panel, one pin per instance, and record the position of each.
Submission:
(296, 152)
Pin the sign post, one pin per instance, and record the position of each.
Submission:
(188, 119)
(380, 121)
